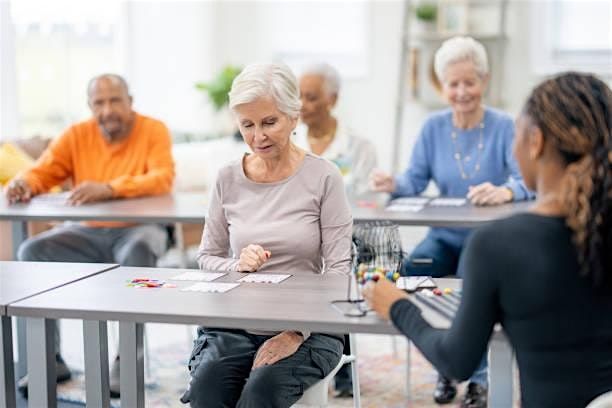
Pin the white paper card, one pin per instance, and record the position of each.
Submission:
(208, 287)
(411, 283)
(198, 276)
(51, 199)
(448, 202)
(263, 278)
(410, 201)
(404, 208)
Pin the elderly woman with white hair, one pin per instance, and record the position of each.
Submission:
(261, 209)
(321, 133)
(467, 151)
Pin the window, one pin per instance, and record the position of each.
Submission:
(59, 45)
(561, 40)
(335, 32)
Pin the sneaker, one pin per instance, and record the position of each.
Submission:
(343, 393)
(62, 374)
(475, 396)
(446, 390)
(114, 383)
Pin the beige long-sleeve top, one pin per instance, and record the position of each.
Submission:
(304, 220)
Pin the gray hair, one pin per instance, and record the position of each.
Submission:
(330, 75)
(261, 80)
(114, 78)
(459, 49)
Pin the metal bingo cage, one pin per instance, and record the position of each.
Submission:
(377, 246)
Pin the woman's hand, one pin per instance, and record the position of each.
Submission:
(488, 194)
(381, 295)
(252, 257)
(381, 181)
(274, 349)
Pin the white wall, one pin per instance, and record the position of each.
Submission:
(171, 46)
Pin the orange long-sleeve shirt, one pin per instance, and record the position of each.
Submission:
(139, 165)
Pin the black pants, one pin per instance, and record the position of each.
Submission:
(221, 374)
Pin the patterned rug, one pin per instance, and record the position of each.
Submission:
(382, 377)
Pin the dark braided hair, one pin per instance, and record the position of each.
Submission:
(574, 112)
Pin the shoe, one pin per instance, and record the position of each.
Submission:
(445, 391)
(475, 396)
(62, 374)
(114, 383)
(344, 393)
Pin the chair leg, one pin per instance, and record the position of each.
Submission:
(408, 363)
(355, 372)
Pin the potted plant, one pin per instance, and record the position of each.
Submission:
(426, 13)
(217, 91)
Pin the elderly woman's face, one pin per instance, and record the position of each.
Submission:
(316, 101)
(463, 87)
(264, 128)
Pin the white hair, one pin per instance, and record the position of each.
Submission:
(330, 75)
(267, 80)
(458, 49)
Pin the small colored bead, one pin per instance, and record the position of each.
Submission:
(376, 278)
(396, 276)
(448, 291)
(437, 292)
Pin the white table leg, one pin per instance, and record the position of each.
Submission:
(95, 345)
(20, 234)
(131, 364)
(42, 390)
(500, 371)
(355, 372)
(7, 374)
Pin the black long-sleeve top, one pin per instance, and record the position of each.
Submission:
(522, 272)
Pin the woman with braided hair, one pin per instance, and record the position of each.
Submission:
(545, 275)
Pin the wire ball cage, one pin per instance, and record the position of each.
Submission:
(377, 247)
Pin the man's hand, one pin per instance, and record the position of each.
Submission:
(381, 181)
(488, 194)
(381, 296)
(281, 346)
(252, 257)
(89, 192)
(18, 191)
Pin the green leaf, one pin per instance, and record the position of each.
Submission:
(218, 88)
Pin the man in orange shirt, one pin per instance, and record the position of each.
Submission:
(118, 153)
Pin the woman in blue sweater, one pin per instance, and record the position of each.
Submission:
(467, 151)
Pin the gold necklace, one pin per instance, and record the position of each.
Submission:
(459, 158)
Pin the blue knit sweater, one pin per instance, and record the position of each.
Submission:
(433, 158)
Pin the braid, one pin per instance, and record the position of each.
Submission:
(574, 112)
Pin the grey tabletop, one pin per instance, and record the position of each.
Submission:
(179, 207)
(20, 280)
(302, 302)
(441, 216)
